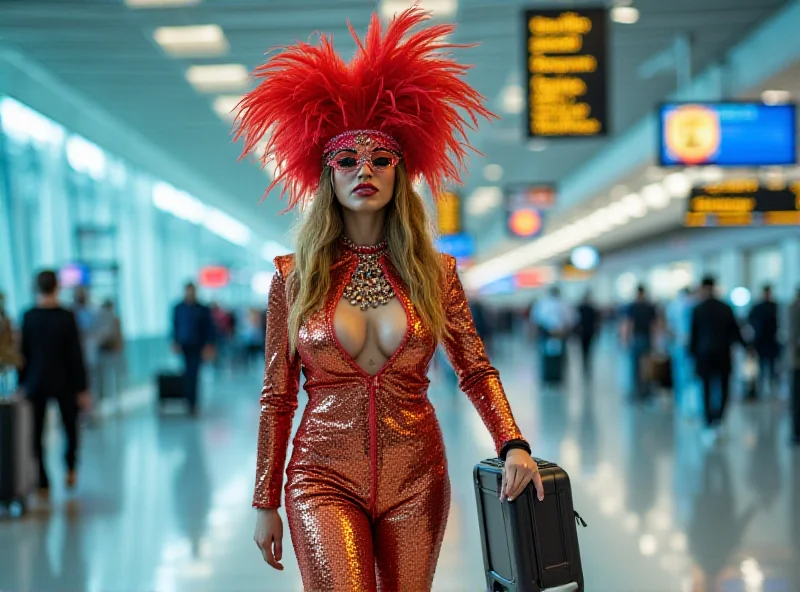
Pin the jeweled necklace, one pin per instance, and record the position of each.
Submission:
(368, 286)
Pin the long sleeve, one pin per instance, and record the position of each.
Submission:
(278, 399)
(476, 376)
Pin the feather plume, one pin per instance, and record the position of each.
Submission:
(402, 83)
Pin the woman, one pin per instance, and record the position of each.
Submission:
(360, 308)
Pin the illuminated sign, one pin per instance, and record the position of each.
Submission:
(727, 134)
(460, 246)
(566, 69)
(448, 206)
(214, 277)
(535, 277)
(73, 275)
(744, 202)
(570, 273)
(524, 208)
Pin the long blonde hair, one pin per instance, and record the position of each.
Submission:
(409, 235)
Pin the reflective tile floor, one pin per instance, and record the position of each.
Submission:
(163, 502)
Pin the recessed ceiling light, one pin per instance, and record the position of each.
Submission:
(160, 3)
(440, 8)
(634, 205)
(225, 104)
(678, 185)
(776, 97)
(655, 196)
(625, 15)
(194, 41)
(537, 145)
(512, 99)
(483, 200)
(493, 172)
(218, 78)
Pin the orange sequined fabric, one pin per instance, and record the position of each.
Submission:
(367, 492)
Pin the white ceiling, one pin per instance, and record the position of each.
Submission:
(105, 51)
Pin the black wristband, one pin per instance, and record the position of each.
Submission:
(511, 444)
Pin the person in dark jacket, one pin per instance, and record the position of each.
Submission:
(193, 336)
(714, 331)
(586, 329)
(638, 331)
(764, 321)
(53, 368)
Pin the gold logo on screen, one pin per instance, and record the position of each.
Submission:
(692, 133)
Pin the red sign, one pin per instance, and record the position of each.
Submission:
(214, 277)
(535, 277)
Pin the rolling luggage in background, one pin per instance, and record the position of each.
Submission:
(528, 545)
(662, 371)
(552, 361)
(18, 466)
(170, 386)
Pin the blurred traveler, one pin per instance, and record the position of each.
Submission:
(110, 345)
(793, 349)
(10, 358)
(679, 326)
(714, 331)
(253, 338)
(53, 368)
(86, 315)
(193, 336)
(764, 321)
(223, 327)
(587, 329)
(554, 320)
(482, 325)
(639, 325)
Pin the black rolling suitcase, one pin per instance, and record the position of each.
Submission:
(170, 386)
(18, 466)
(552, 361)
(528, 545)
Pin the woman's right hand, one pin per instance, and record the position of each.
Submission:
(269, 536)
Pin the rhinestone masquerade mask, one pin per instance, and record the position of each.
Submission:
(353, 149)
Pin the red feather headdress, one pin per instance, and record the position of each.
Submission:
(400, 84)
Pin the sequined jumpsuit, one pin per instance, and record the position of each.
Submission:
(367, 494)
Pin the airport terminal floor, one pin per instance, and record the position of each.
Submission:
(163, 501)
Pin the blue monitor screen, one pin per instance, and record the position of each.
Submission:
(727, 134)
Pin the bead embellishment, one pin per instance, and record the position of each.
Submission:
(368, 286)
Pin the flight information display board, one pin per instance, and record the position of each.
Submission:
(744, 202)
(525, 207)
(567, 73)
(727, 134)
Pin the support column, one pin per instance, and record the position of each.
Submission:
(731, 273)
(790, 269)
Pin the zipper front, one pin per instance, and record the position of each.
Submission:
(373, 448)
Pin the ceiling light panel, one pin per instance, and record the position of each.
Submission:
(160, 3)
(198, 41)
(218, 78)
(224, 105)
(439, 8)
(625, 15)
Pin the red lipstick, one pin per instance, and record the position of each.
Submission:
(365, 190)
